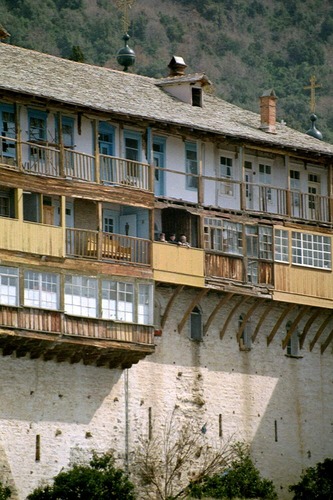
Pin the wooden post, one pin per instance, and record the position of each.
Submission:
(96, 152)
(18, 137)
(61, 148)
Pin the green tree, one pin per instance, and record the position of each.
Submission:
(316, 483)
(241, 480)
(100, 480)
(5, 492)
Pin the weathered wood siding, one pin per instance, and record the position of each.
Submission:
(31, 237)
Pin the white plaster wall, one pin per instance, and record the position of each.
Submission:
(76, 409)
(175, 184)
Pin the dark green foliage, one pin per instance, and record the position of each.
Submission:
(316, 483)
(5, 492)
(173, 27)
(77, 54)
(100, 480)
(242, 480)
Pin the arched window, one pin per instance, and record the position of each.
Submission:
(245, 341)
(196, 324)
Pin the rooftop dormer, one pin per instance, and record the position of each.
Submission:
(186, 88)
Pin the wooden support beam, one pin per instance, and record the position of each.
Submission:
(320, 331)
(169, 304)
(277, 325)
(246, 317)
(225, 298)
(261, 320)
(294, 326)
(307, 327)
(239, 302)
(327, 342)
(190, 308)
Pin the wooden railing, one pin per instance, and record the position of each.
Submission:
(115, 170)
(107, 246)
(57, 322)
(79, 166)
(50, 160)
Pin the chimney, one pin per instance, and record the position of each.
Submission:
(177, 66)
(268, 111)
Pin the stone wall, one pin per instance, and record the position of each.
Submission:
(281, 405)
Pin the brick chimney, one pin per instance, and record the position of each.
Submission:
(268, 111)
(177, 66)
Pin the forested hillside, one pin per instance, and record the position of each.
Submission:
(244, 46)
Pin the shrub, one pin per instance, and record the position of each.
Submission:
(242, 480)
(100, 480)
(316, 483)
(4, 492)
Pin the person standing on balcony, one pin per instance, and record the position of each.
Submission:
(162, 238)
(172, 239)
(183, 241)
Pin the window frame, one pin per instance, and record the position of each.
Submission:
(191, 166)
(12, 276)
(309, 248)
(10, 151)
(36, 281)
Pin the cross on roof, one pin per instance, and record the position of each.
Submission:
(312, 87)
(125, 5)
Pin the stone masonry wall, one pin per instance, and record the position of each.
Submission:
(281, 405)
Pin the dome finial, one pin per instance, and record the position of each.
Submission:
(126, 55)
(313, 130)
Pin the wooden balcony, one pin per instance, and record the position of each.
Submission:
(53, 161)
(52, 335)
(106, 246)
(30, 237)
(178, 265)
(232, 272)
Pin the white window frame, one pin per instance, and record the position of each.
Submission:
(9, 286)
(227, 172)
(84, 303)
(311, 250)
(281, 246)
(116, 305)
(41, 290)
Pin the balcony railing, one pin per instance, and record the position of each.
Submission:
(126, 172)
(107, 246)
(50, 160)
(57, 322)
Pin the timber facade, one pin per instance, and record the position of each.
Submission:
(95, 164)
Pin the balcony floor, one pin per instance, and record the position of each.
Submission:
(64, 348)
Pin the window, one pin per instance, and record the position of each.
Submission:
(41, 290)
(81, 296)
(223, 236)
(9, 286)
(293, 342)
(196, 324)
(117, 301)
(191, 159)
(251, 235)
(265, 177)
(37, 125)
(281, 246)
(7, 202)
(196, 96)
(226, 172)
(132, 144)
(145, 301)
(32, 207)
(265, 243)
(311, 250)
(8, 130)
(245, 341)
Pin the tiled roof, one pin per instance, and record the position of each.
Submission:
(107, 90)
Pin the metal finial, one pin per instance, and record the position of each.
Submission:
(125, 5)
(312, 87)
(313, 132)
